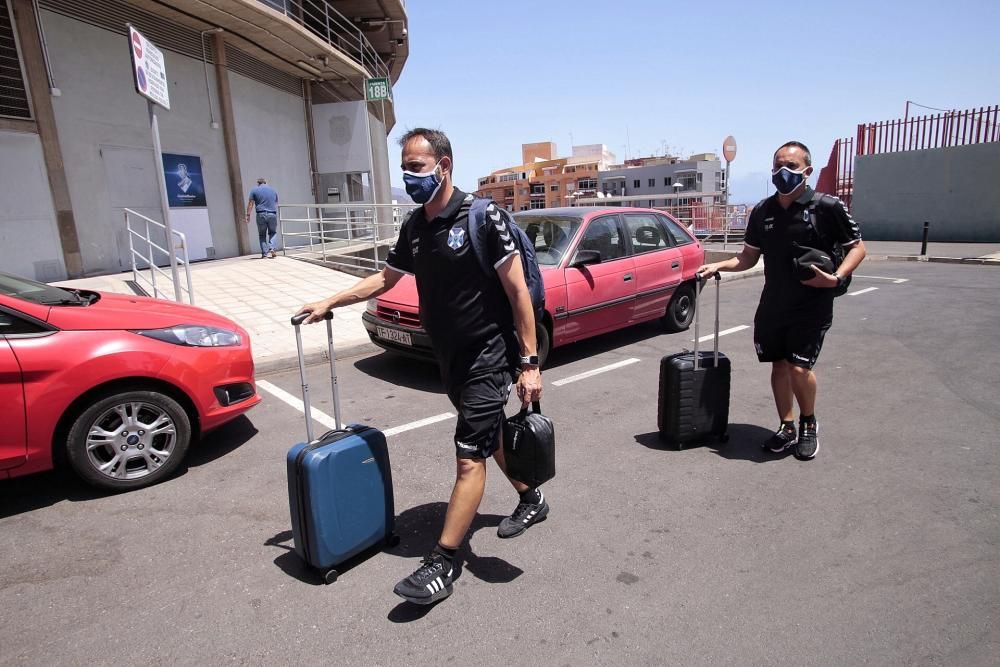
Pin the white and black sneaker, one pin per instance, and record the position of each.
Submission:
(431, 582)
(782, 440)
(808, 444)
(525, 515)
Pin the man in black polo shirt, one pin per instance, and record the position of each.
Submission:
(471, 318)
(794, 313)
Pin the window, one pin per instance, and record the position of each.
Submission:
(680, 237)
(538, 188)
(646, 232)
(524, 207)
(652, 182)
(11, 325)
(666, 181)
(587, 184)
(554, 187)
(508, 177)
(538, 203)
(604, 236)
(635, 183)
(509, 192)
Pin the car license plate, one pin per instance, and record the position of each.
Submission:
(393, 335)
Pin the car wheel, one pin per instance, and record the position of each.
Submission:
(128, 440)
(543, 342)
(680, 310)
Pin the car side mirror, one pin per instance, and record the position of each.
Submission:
(585, 257)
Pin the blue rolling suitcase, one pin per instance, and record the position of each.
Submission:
(339, 485)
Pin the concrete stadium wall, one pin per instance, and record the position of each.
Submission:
(273, 141)
(29, 238)
(952, 188)
(107, 148)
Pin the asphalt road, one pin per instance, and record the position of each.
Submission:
(882, 550)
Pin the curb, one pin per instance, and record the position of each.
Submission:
(975, 261)
(286, 362)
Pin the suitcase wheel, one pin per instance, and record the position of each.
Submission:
(392, 541)
(330, 576)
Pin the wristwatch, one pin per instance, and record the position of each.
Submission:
(529, 361)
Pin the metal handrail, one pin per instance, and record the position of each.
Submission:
(341, 235)
(324, 21)
(150, 257)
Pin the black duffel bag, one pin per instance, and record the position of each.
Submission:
(529, 446)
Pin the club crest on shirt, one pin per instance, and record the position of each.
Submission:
(456, 238)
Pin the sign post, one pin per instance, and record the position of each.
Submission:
(729, 152)
(378, 90)
(150, 75)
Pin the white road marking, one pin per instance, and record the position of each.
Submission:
(417, 424)
(328, 421)
(296, 402)
(596, 371)
(895, 281)
(862, 291)
(722, 333)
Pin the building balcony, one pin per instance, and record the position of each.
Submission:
(337, 44)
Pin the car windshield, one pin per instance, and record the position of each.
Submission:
(552, 234)
(40, 293)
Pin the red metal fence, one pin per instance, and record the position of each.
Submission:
(952, 128)
(943, 130)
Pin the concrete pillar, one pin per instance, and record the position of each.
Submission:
(38, 85)
(232, 149)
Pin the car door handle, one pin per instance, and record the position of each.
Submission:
(627, 277)
(675, 265)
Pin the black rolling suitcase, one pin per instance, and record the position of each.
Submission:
(693, 405)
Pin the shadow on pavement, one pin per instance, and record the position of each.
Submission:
(218, 443)
(24, 494)
(418, 529)
(403, 371)
(611, 341)
(744, 444)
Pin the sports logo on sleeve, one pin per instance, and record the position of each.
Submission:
(501, 227)
(456, 237)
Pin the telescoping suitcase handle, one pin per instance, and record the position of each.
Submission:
(297, 321)
(697, 310)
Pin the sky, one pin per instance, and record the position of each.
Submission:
(647, 76)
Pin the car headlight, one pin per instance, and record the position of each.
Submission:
(372, 306)
(194, 335)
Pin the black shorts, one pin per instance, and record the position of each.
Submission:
(795, 340)
(480, 403)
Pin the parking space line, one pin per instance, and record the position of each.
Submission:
(895, 281)
(862, 291)
(417, 424)
(722, 333)
(328, 421)
(596, 371)
(296, 402)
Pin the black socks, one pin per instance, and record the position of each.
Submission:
(447, 554)
(807, 419)
(531, 496)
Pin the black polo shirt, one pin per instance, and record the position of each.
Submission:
(465, 312)
(774, 230)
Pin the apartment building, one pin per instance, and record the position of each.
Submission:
(543, 180)
(647, 181)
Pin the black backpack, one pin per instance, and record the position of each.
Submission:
(836, 250)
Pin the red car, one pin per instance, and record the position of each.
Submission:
(117, 386)
(603, 268)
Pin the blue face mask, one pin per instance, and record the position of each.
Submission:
(422, 187)
(786, 180)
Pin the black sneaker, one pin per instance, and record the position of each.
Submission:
(524, 516)
(430, 583)
(808, 443)
(782, 440)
